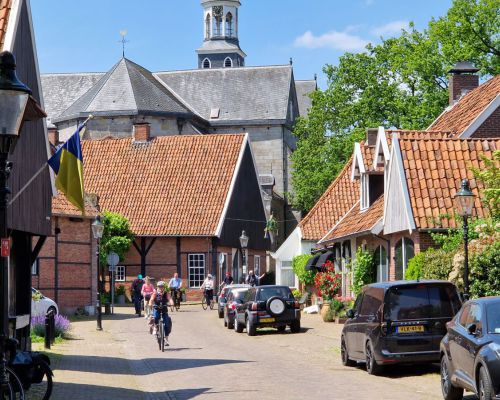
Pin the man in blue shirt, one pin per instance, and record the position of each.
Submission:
(175, 284)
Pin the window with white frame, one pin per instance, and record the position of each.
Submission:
(34, 267)
(196, 269)
(206, 63)
(120, 273)
(365, 192)
(287, 276)
(228, 63)
(256, 265)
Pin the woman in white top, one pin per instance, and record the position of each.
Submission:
(208, 287)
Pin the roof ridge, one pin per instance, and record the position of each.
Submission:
(201, 70)
(71, 73)
(458, 139)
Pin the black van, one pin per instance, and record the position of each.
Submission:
(397, 322)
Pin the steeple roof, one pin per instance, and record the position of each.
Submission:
(126, 89)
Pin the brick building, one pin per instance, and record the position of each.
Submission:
(66, 267)
(186, 203)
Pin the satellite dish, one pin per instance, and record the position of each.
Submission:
(113, 259)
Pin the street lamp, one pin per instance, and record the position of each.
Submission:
(97, 231)
(14, 97)
(244, 244)
(464, 202)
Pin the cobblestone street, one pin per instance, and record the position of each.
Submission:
(207, 361)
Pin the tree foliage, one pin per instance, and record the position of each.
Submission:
(490, 176)
(117, 236)
(299, 268)
(401, 82)
(364, 270)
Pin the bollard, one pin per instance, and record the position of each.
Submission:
(47, 332)
(52, 328)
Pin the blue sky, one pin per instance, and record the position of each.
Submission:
(81, 36)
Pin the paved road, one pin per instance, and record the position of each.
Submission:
(207, 361)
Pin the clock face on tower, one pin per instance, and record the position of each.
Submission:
(217, 11)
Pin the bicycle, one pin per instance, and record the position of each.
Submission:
(207, 299)
(176, 297)
(13, 390)
(160, 328)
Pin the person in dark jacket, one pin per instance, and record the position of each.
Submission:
(136, 294)
(252, 279)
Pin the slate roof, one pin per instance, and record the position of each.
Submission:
(220, 45)
(357, 222)
(127, 89)
(62, 90)
(169, 186)
(242, 94)
(434, 170)
(62, 207)
(303, 89)
(459, 116)
(5, 6)
(340, 196)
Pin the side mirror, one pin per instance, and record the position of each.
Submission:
(472, 329)
(350, 313)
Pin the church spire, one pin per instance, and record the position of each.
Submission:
(221, 47)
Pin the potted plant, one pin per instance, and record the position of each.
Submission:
(120, 294)
(328, 284)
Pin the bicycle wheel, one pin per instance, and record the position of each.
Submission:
(177, 304)
(162, 336)
(204, 302)
(43, 389)
(211, 303)
(14, 390)
(158, 335)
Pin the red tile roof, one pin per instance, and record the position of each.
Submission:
(170, 186)
(357, 222)
(5, 6)
(458, 117)
(434, 170)
(340, 196)
(62, 207)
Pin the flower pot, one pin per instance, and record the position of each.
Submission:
(325, 312)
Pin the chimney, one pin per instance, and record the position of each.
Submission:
(53, 135)
(371, 136)
(463, 79)
(142, 132)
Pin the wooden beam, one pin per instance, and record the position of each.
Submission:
(36, 250)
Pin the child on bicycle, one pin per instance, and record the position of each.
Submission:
(160, 301)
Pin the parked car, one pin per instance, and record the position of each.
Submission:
(235, 296)
(267, 306)
(397, 322)
(40, 304)
(223, 297)
(470, 351)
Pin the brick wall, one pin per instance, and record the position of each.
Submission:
(67, 267)
(489, 128)
(459, 83)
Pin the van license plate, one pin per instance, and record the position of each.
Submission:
(267, 320)
(411, 329)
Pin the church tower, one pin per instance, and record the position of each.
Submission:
(221, 47)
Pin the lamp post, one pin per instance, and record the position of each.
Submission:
(244, 244)
(464, 202)
(14, 97)
(97, 231)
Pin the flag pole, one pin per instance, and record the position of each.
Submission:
(40, 170)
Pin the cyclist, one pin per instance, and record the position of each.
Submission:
(228, 280)
(175, 284)
(160, 296)
(208, 288)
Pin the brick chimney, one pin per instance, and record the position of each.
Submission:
(142, 132)
(463, 79)
(53, 135)
(371, 136)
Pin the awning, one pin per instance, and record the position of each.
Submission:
(311, 264)
(328, 256)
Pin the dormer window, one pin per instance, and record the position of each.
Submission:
(228, 63)
(206, 63)
(372, 187)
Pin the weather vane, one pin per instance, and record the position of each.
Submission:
(123, 33)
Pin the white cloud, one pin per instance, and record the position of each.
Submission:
(332, 40)
(390, 29)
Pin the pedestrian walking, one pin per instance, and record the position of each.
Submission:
(252, 279)
(136, 294)
(146, 292)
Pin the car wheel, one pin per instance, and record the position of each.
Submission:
(221, 314)
(230, 325)
(281, 328)
(371, 365)
(484, 390)
(346, 361)
(53, 309)
(449, 391)
(237, 326)
(251, 330)
(295, 326)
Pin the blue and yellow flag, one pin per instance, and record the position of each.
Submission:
(67, 163)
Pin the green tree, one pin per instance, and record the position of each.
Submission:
(490, 176)
(117, 236)
(299, 268)
(401, 82)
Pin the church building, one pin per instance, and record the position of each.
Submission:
(221, 96)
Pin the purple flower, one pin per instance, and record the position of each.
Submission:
(62, 325)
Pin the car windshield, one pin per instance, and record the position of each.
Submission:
(493, 317)
(239, 294)
(266, 293)
(422, 301)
